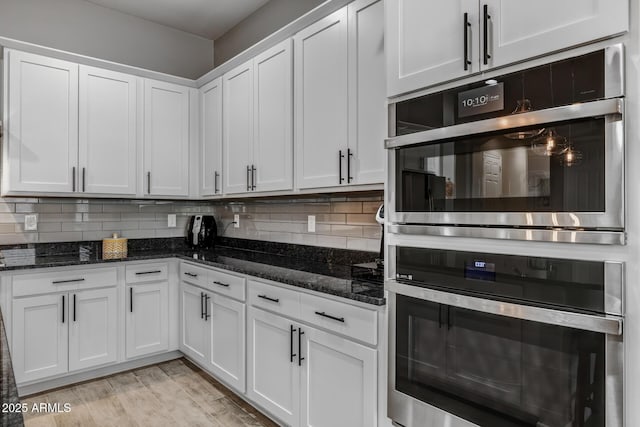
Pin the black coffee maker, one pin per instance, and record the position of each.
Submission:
(201, 232)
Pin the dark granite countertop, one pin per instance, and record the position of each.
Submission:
(10, 416)
(294, 265)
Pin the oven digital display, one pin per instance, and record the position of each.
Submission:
(480, 270)
(485, 99)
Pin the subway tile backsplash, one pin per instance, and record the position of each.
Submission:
(346, 222)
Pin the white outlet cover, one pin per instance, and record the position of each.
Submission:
(171, 220)
(236, 220)
(311, 223)
(31, 222)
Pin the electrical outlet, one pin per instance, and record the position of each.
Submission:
(311, 223)
(236, 221)
(31, 222)
(171, 220)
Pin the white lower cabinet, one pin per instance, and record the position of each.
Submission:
(226, 320)
(308, 377)
(193, 333)
(59, 333)
(273, 375)
(40, 337)
(147, 319)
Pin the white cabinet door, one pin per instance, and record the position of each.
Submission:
(41, 131)
(426, 44)
(210, 162)
(339, 381)
(321, 107)
(93, 328)
(273, 376)
(147, 319)
(40, 337)
(273, 118)
(238, 128)
(108, 119)
(520, 29)
(227, 359)
(367, 96)
(193, 328)
(166, 139)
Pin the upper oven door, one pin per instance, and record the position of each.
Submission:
(517, 151)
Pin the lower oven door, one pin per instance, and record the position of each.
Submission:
(453, 365)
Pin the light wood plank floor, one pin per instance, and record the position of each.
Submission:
(175, 393)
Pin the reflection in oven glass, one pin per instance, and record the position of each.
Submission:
(497, 371)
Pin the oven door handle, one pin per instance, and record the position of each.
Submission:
(614, 106)
(611, 325)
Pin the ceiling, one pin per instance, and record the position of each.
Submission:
(206, 18)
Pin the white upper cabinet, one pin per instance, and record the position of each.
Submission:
(520, 29)
(41, 119)
(238, 129)
(273, 118)
(321, 107)
(107, 149)
(258, 119)
(210, 160)
(430, 41)
(166, 139)
(367, 95)
(426, 42)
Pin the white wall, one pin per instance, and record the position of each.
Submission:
(264, 21)
(87, 29)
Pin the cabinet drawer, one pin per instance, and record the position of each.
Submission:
(227, 284)
(283, 301)
(63, 281)
(193, 274)
(345, 319)
(147, 272)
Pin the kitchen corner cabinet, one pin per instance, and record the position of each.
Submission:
(340, 98)
(41, 124)
(210, 161)
(147, 310)
(166, 139)
(193, 334)
(108, 132)
(468, 36)
(258, 117)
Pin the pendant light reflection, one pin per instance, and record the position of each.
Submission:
(571, 157)
(523, 106)
(549, 144)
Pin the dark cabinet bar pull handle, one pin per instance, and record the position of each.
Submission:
(300, 358)
(328, 316)
(140, 273)
(253, 177)
(291, 353)
(131, 299)
(190, 274)
(340, 157)
(268, 298)
(206, 307)
(248, 173)
(486, 18)
(466, 26)
(73, 178)
(148, 182)
(215, 182)
(84, 170)
(349, 156)
(74, 307)
(62, 308)
(55, 282)
(202, 305)
(226, 285)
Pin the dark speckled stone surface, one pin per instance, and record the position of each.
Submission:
(323, 270)
(8, 389)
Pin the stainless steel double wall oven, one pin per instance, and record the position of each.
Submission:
(499, 340)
